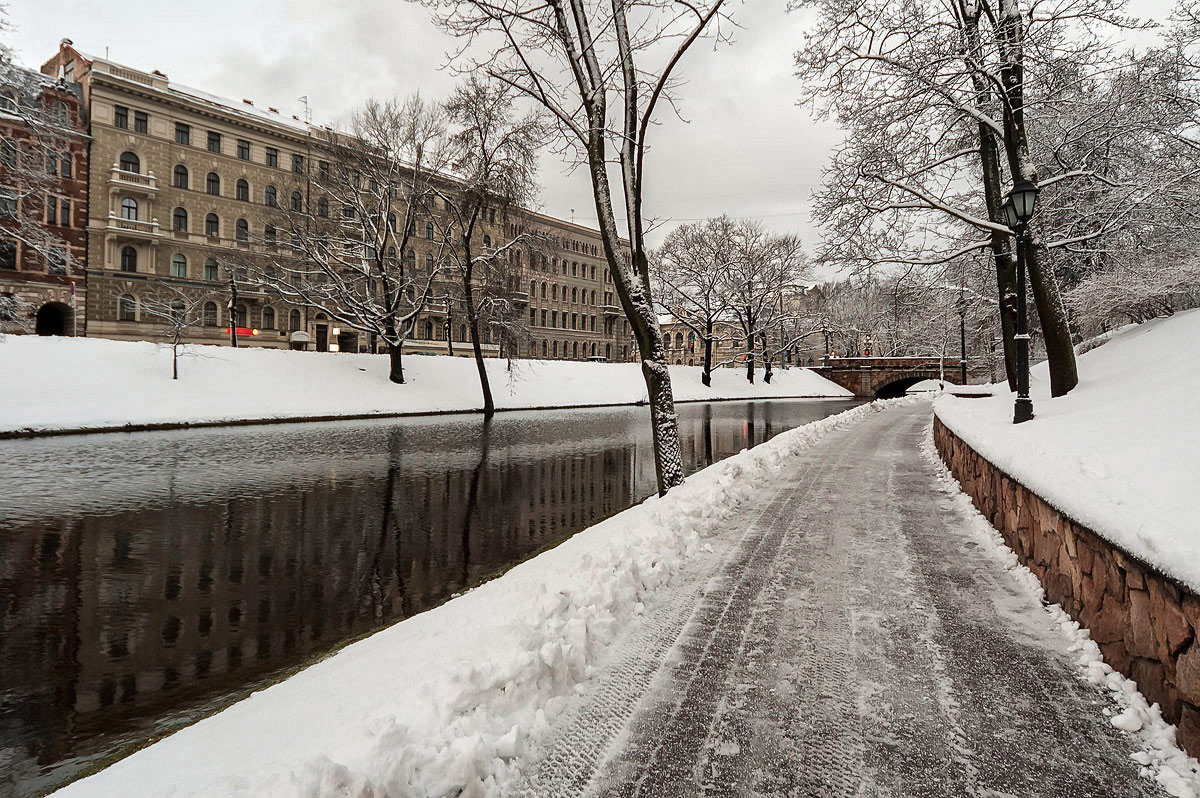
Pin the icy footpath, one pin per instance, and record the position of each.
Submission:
(455, 701)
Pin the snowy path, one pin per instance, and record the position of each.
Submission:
(849, 640)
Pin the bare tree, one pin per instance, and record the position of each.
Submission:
(690, 273)
(177, 313)
(16, 315)
(601, 69)
(493, 155)
(346, 238)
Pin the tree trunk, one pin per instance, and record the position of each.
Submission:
(767, 358)
(395, 364)
(450, 332)
(489, 407)
(233, 313)
(175, 361)
(1056, 329)
(750, 354)
(706, 373)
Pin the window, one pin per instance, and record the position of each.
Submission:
(269, 234)
(271, 197)
(391, 257)
(8, 153)
(66, 165)
(272, 156)
(212, 226)
(554, 318)
(128, 259)
(178, 266)
(8, 254)
(554, 291)
(268, 318)
(410, 260)
(130, 163)
(298, 164)
(323, 170)
(574, 295)
(65, 217)
(294, 320)
(543, 290)
(487, 240)
(52, 210)
(179, 177)
(347, 211)
(8, 101)
(593, 297)
(141, 122)
(297, 202)
(127, 308)
(241, 230)
(243, 149)
(212, 183)
(241, 316)
(391, 222)
(429, 230)
(210, 314)
(214, 141)
(183, 133)
(129, 209)
(242, 190)
(429, 262)
(179, 220)
(120, 116)
(543, 318)
(322, 207)
(210, 270)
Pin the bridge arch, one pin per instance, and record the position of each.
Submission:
(898, 387)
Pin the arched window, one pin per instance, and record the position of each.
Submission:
(270, 197)
(129, 209)
(543, 347)
(323, 207)
(210, 314)
(212, 183)
(8, 100)
(297, 202)
(66, 164)
(130, 163)
(532, 289)
(410, 260)
(429, 230)
(269, 234)
(462, 332)
(181, 176)
(268, 319)
(241, 317)
(679, 340)
(543, 290)
(428, 331)
(242, 190)
(211, 270)
(574, 295)
(391, 222)
(593, 297)
(391, 257)
(128, 259)
(429, 261)
(178, 265)
(608, 351)
(241, 230)
(180, 220)
(212, 225)
(294, 320)
(575, 349)
(554, 349)
(554, 291)
(593, 348)
(127, 308)
(487, 240)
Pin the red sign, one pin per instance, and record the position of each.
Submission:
(244, 331)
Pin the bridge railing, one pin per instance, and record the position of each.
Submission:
(890, 362)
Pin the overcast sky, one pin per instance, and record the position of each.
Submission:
(748, 150)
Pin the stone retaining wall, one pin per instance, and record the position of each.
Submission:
(1145, 623)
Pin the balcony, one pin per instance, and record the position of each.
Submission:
(132, 182)
(611, 310)
(520, 297)
(134, 228)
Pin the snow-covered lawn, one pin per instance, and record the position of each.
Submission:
(451, 701)
(72, 383)
(1119, 454)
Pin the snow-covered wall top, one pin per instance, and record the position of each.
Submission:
(1121, 453)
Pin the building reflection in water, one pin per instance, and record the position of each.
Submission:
(146, 579)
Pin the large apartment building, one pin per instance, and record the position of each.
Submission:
(183, 182)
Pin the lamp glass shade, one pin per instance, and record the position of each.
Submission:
(1024, 199)
(1010, 213)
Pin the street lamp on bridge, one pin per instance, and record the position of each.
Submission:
(1018, 208)
(962, 337)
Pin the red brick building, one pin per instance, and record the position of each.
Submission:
(43, 203)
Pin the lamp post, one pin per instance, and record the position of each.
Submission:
(962, 338)
(1018, 208)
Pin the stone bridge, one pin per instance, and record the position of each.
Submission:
(886, 377)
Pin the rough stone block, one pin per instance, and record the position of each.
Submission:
(1171, 626)
(1187, 674)
(1189, 729)
(1140, 638)
(1111, 622)
(1116, 655)
(1148, 673)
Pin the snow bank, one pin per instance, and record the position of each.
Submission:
(453, 701)
(72, 383)
(1119, 453)
(1159, 756)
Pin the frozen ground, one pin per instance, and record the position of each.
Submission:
(76, 383)
(862, 634)
(1119, 453)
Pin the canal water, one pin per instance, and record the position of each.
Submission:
(147, 579)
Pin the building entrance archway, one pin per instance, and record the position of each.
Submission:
(53, 318)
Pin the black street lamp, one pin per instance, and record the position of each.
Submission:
(962, 338)
(1018, 208)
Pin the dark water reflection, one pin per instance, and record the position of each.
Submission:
(147, 578)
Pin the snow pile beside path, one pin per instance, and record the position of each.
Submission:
(1119, 453)
(1160, 756)
(72, 383)
(451, 702)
